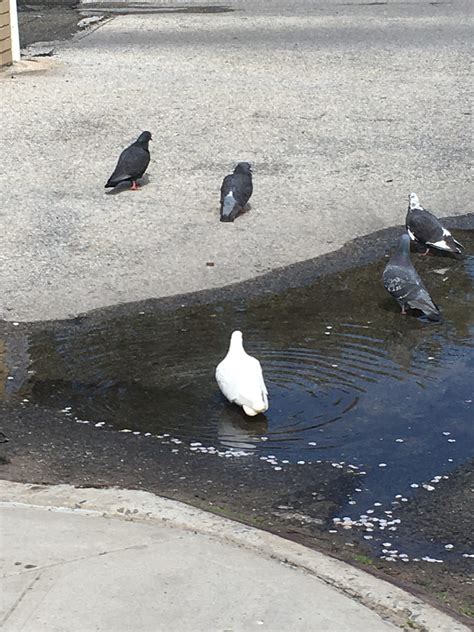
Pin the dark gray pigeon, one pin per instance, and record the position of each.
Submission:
(402, 281)
(236, 190)
(132, 163)
(426, 229)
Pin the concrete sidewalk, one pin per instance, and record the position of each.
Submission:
(76, 572)
(117, 560)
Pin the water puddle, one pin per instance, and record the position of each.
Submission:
(353, 386)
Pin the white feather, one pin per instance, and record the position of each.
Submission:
(240, 378)
(412, 236)
(413, 201)
(441, 244)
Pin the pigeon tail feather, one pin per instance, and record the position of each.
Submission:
(435, 317)
(448, 243)
(250, 411)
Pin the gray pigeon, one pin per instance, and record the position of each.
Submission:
(402, 281)
(132, 163)
(236, 190)
(426, 229)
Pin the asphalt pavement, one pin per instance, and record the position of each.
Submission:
(343, 109)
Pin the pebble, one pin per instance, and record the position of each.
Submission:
(431, 559)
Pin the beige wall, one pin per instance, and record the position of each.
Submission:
(5, 35)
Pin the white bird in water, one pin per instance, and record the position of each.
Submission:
(240, 378)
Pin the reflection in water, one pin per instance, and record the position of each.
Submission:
(350, 380)
(15, 363)
(239, 433)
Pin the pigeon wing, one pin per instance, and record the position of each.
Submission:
(424, 225)
(131, 165)
(226, 187)
(242, 188)
(406, 286)
(243, 383)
